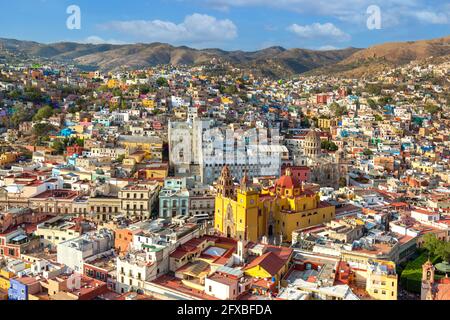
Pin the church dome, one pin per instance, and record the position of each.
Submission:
(313, 137)
(313, 144)
(288, 181)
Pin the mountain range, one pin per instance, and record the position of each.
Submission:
(274, 61)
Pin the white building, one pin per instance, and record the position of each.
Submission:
(425, 216)
(227, 283)
(133, 270)
(73, 252)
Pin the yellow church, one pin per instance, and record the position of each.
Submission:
(250, 212)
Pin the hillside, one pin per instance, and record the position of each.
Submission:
(274, 61)
(388, 55)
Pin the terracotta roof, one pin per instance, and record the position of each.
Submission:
(442, 291)
(270, 262)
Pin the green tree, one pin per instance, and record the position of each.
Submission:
(342, 182)
(378, 118)
(436, 247)
(20, 115)
(368, 152)
(432, 109)
(329, 145)
(14, 95)
(338, 110)
(443, 251)
(386, 100)
(230, 90)
(374, 88)
(430, 243)
(305, 123)
(43, 113)
(59, 147)
(372, 104)
(33, 95)
(162, 82)
(43, 129)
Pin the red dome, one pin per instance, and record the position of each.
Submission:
(288, 181)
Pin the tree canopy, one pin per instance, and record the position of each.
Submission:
(162, 82)
(329, 145)
(338, 110)
(43, 113)
(437, 247)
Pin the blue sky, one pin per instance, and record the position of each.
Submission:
(227, 24)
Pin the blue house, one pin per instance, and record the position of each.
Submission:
(174, 198)
(66, 132)
(389, 110)
(17, 290)
(72, 160)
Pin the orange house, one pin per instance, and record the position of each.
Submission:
(123, 238)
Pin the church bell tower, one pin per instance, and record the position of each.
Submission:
(427, 281)
(225, 185)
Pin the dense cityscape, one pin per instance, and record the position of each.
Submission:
(209, 182)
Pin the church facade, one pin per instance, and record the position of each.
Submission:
(250, 212)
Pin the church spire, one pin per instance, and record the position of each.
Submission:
(245, 182)
(225, 185)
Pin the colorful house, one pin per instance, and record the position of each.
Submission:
(268, 267)
(21, 288)
(8, 158)
(5, 277)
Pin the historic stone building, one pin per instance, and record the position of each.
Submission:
(325, 168)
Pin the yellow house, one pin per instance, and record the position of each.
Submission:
(148, 103)
(382, 280)
(113, 83)
(155, 171)
(271, 264)
(327, 123)
(134, 159)
(8, 157)
(78, 129)
(422, 167)
(4, 280)
(250, 212)
(226, 100)
(151, 146)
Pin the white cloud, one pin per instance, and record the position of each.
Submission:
(317, 30)
(393, 12)
(196, 28)
(432, 17)
(98, 40)
(327, 48)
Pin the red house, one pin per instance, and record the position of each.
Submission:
(322, 98)
(76, 149)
